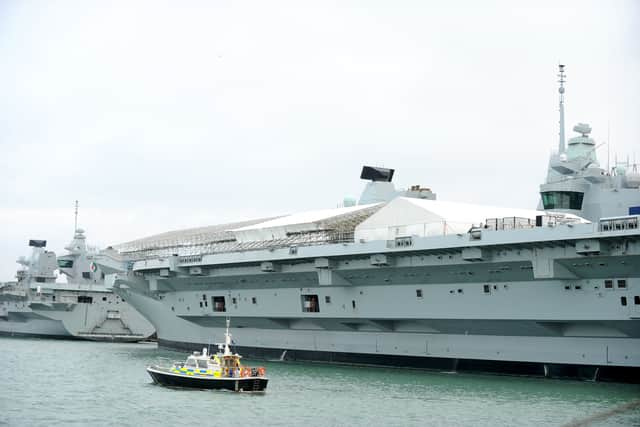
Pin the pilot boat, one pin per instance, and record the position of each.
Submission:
(220, 371)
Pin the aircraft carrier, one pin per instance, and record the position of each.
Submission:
(401, 278)
(38, 305)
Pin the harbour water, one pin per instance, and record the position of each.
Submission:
(51, 382)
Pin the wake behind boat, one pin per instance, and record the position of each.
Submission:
(221, 371)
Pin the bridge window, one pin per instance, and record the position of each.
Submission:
(636, 300)
(608, 284)
(85, 299)
(562, 199)
(86, 275)
(65, 263)
(622, 284)
(623, 300)
(218, 304)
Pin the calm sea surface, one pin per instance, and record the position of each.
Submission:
(50, 382)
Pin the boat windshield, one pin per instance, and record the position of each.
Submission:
(191, 361)
(202, 364)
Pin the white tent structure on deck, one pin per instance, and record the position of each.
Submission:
(339, 219)
(403, 217)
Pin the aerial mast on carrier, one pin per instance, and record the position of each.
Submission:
(562, 77)
(75, 225)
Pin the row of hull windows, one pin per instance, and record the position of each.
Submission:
(311, 302)
(85, 275)
(218, 303)
(84, 299)
(608, 284)
(636, 300)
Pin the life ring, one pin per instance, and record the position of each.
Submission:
(261, 371)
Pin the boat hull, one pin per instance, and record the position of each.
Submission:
(248, 384)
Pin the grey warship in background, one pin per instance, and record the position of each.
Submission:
(16, 317)
(83, 308)
(404, 279)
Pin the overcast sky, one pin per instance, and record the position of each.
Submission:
(160, 115)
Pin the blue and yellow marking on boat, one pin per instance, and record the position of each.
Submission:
(203, 372)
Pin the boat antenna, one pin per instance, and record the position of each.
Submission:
(562, 77)
(608, 148)
(227, 339)
(75, 225)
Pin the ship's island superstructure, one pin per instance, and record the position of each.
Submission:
(404, 279)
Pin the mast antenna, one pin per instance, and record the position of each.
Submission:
(562, 77)
(608, 148)
(75, 225)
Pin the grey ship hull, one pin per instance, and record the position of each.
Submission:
(39, 316)
(534, 301)
(29, 324)
(105, 318)
(552, 356)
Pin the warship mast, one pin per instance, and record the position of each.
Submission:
(75, 224)
(562, 76)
